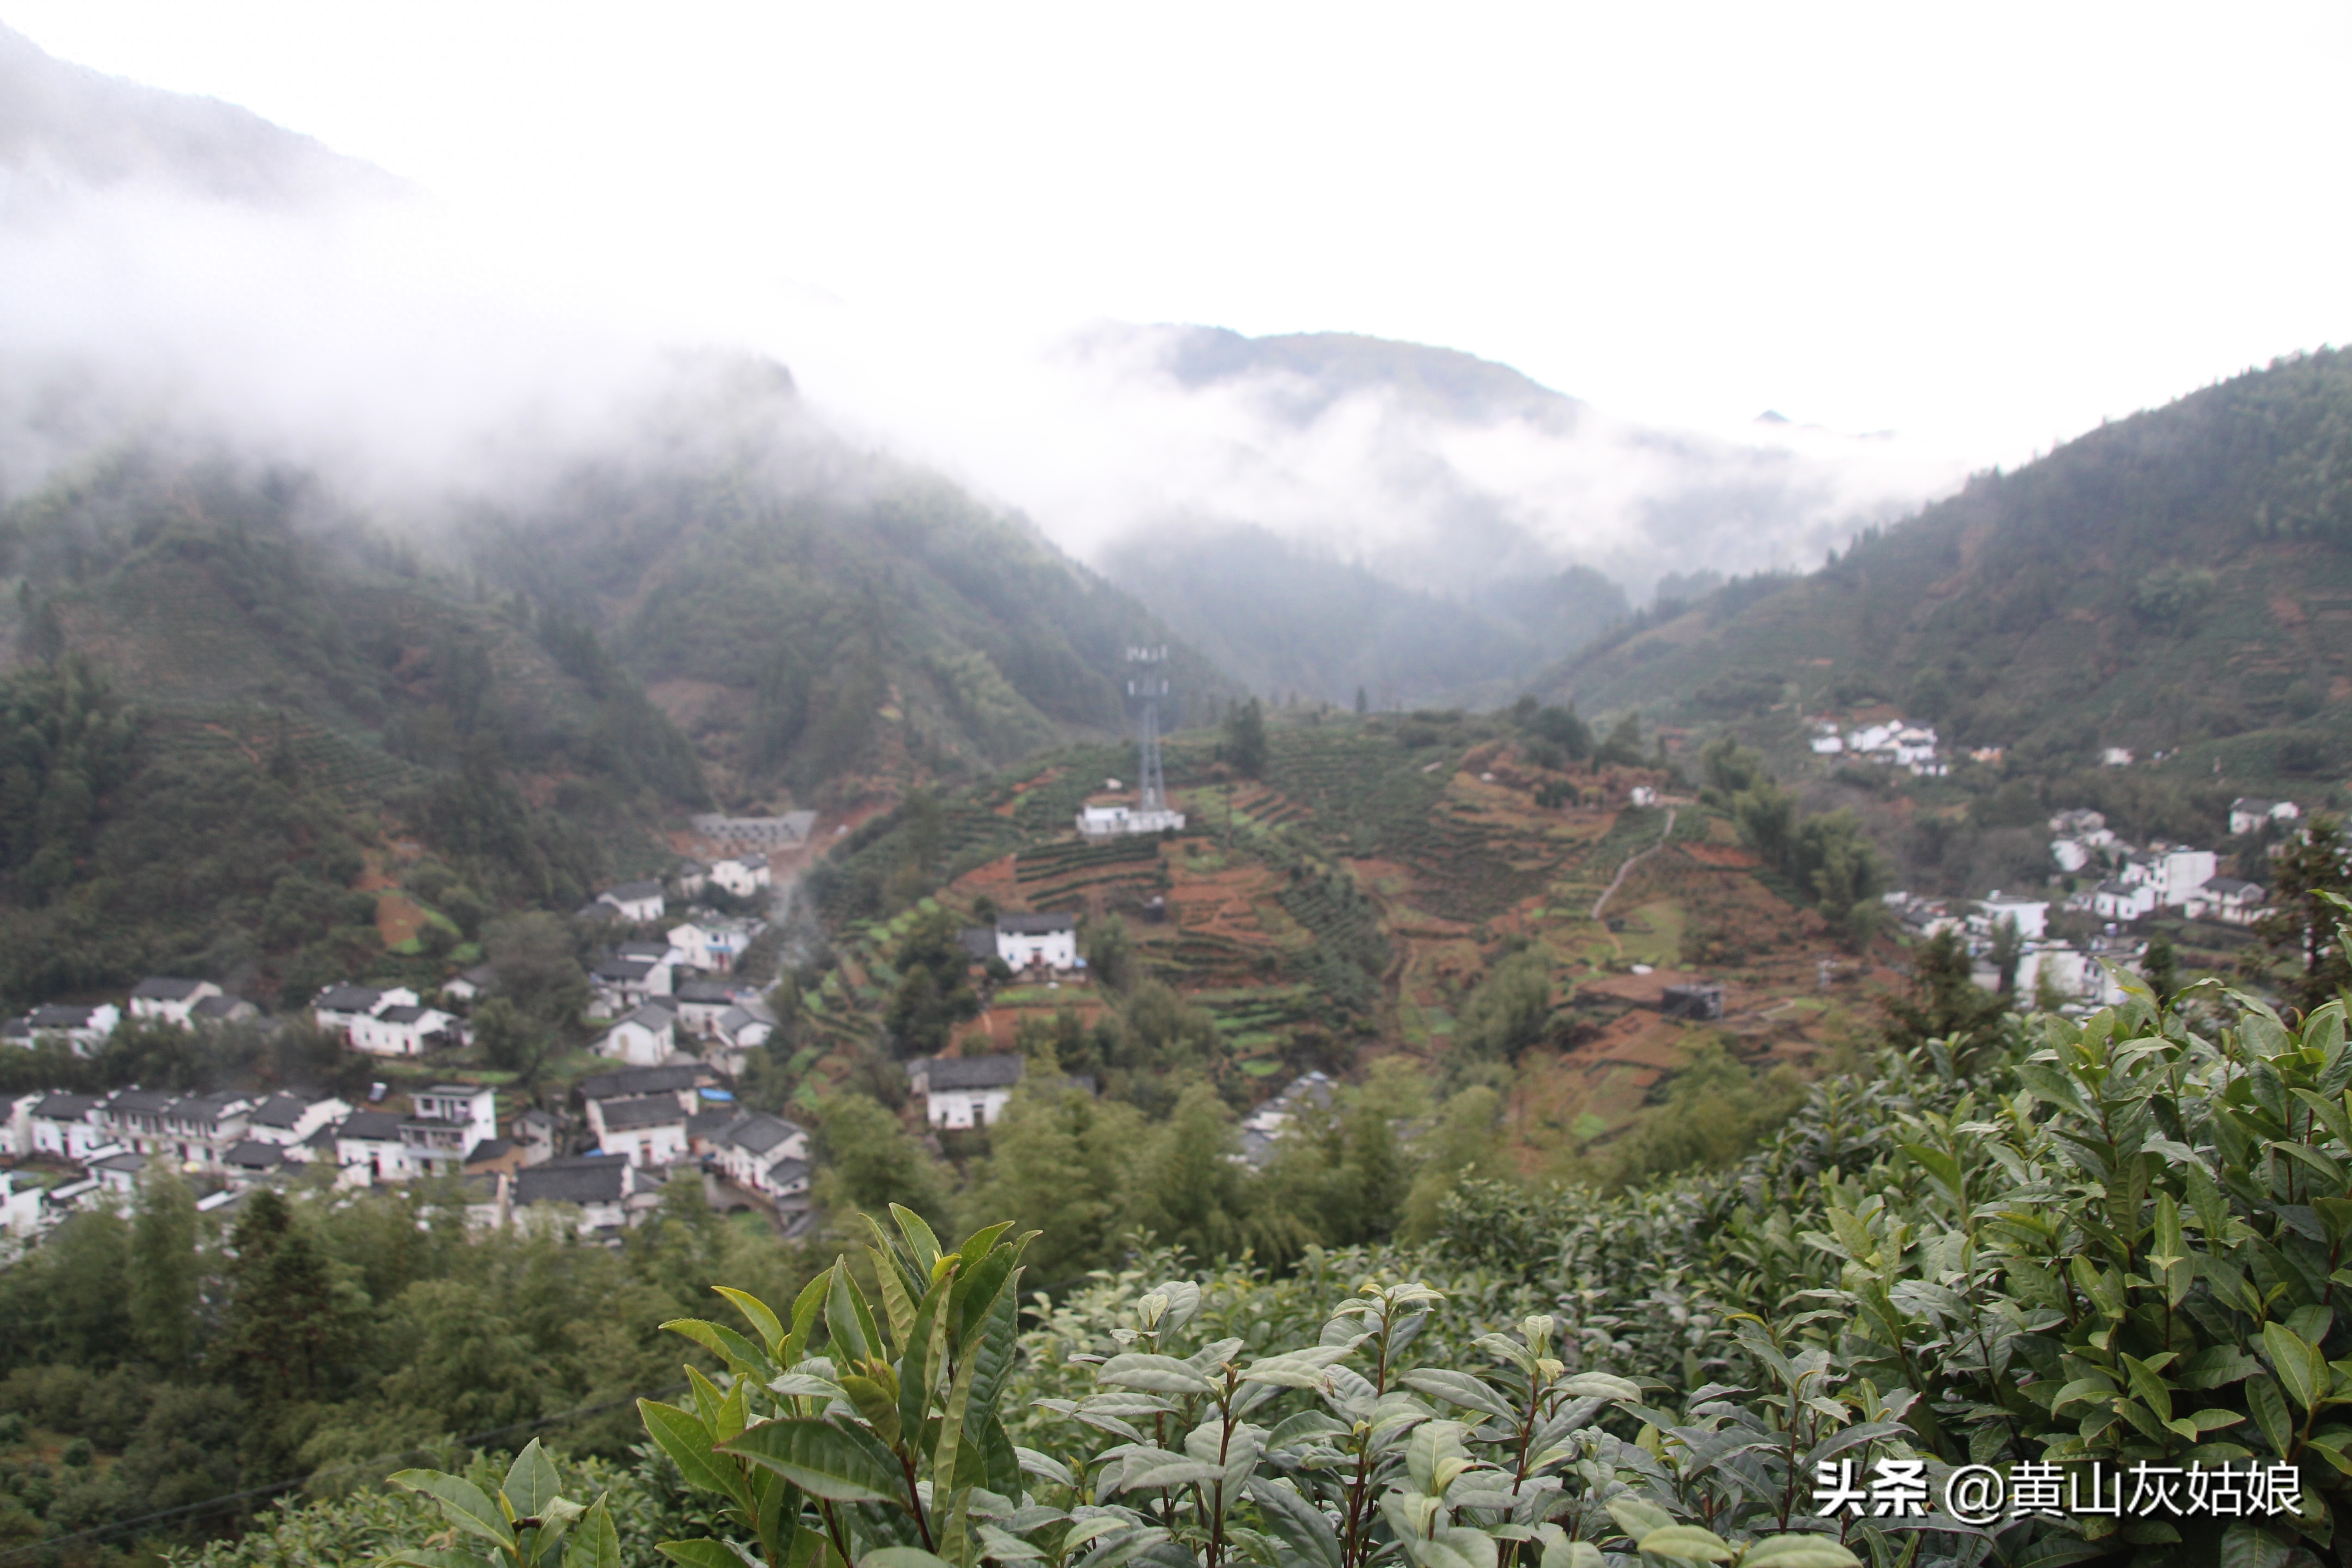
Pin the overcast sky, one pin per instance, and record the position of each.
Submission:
(1987, 225)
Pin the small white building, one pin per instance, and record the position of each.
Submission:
(637, 901)
(83, 1030)
(2115, 757)
(964, 1092)
(765, 1154)
(646, 1129)
(57, 1126)
(2032, 915)
(169, 1001)
(1047, 940)
(2072, 854)
(2175, 873)
(474, 1107)
(714, 942)
(2227, 899)
(597, 1185)
(289, 1120)
(404, 1029)
(2249, 812)
(741, 875)
(2116, 900)
(1828, 745)
(1115, 821)
(644, 1038)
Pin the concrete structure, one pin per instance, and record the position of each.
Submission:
(741, 875)
(2116, 900)
(639, 901)
(1047, 940)
(404, 1029)
(472, 1106)
(764, 832)
(964, 1092)
(2249, 812)
(644, 1038)
(648, 1130)
(764, 1154)
(169, 1001)
(82, 1029)
(2032, 915)
(1701, 1000)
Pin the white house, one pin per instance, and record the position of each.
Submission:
(402, 1029)
(289, 1120)
(765, 1154)
(468, 985)
(964, 1092)
(1828, 745)
(1112, 821)
(2247, 813)
(20, 1211)
(2072, 854)
(475, 1107)
(2175, 873)
(169, 1001)
(58, 1126)
(692, 877)
(639, 901)
(646, 1130)
(2227, 899)
(340, 1009)
(741, 875)
(82, 1029)
(644, 1038)
(597, 1185)
(2032, 915)
(368, 1150)
(1047, 940)
(714, 942)
(2116, 900)
(2115, 757)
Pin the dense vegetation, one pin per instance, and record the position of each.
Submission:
(2173, 580)
(2110, 1240)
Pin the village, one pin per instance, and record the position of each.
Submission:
(668, 1011)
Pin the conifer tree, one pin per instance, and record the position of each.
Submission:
(164, 1271)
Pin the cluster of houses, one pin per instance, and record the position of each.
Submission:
(1894, 743)
(2133, 883)
(2071, 972)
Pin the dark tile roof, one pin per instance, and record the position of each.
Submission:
(633, 891)
(252, 1154)
(588, 1181)
(652, 1016)
(758, 1132)
(652, 951)
(489, 1149)
(401, 1015)
(147, 1100)
(207, 1107)
(278, 1111)
(627, 1081)
(380, 1126)
(623, 968)
(784, 1172)
(1036, 924)
(134, 1164)
(67, 1107)
(997, 1071)
(155, 988)
(644, 1110)
(59, 1015)
(707, 990)
(345, 999)
(708, 1125)
(223, 1007)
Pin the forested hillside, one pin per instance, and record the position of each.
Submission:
(2179, 581)
(808, 613)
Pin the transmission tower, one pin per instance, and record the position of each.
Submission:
(1146, 686)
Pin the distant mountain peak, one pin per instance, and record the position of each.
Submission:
(69, 124)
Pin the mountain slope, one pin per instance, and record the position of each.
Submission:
(2180, 579)
(62, 122)
(814, 615)
(1283, 621)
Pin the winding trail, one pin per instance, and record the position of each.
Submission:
(1630, 861)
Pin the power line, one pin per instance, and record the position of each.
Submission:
(476, 1440)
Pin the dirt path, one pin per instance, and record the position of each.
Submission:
(1630, 861)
